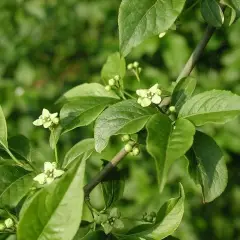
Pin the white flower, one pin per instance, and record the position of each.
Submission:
(49, 174)
(9, 223)
(47, 119)
(148, 96)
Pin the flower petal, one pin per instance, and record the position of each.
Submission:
(47, 124)
(55, 120)
(49, 180)
(142, 92)
(38, 122)
(49, 167)
(53, 115)
(156, 99)
(146, 102)
(154, 88)
(45, 113)
(58, 173)
(40, 178)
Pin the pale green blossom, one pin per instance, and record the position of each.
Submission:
(9, 223)
(148, 96)
(49, 174)
(47, 119)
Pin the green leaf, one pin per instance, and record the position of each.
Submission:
(183, 91)
(113, 188)
(3, 129)
(82, 149)
(212, 13)
(140, 20)
(167, 143)
(55, 212)
(20, 145)
(207, 166)
(87, 90)
(235, 4)
(83, 111)
(83, 230)
(230, 16)
(54, 136)
(15, 183)
(97, 235)
(168, 219)
(115, 65)
(214, 106)
(126, 117)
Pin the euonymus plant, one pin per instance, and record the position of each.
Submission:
(46, 201)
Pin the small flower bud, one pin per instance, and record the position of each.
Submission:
(161, 35)
(135, 64)
(108, 88)
(153, 214)
(2, 227)
(130, 66)
(172, 109)
(111, 82)
(125, 138)
(135, 151)
(128, 147)
(9, 223)
(117, 77)
(139, 70)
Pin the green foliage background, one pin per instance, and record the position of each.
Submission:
(47, 47)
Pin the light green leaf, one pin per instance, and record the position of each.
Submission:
(97, 235)
(230, 16)
(212, 13)
(126, 117)
(166, 143)
(213, 106)
(235, 4)
(87, 90)
(115, 65)
(54, 136)
(15, 183)
(168, 219)
(79, 150)
(83, 111)
(207, 166)
(55, 212)
(3, 129)
(139, 20)
(183, 91)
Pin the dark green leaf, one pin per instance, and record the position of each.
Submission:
(212, 12)
(115, 65)
(168, 219)
(98, 235)
(183, 91)
(213, 106)
(83, 111)
(230, 16)
(82, 149)
(235, 4)
(139, 20)
(3, 129)
(166, 143)
(207, 166)
(126, 117)
(87, 90)
(20, 145)
(55, 212)
(15, 183)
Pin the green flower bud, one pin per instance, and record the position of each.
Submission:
(9, 223)
(108, 88)
(111, 82)
(130, 66)
(2, 227)
(117, 77)
(153, 214)
(139, 70)
(135, 151)
(149, 218)
(172, 109)
(125, 138)
(128, 147)
(135, 64)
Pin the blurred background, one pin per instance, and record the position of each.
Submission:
(48, 47)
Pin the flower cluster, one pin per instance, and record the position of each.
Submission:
(47, 119)
(148, 96)
(113, 82)
(151, 217)
(49, 174)
(110, 221)
(7, 224)
(129, 148)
